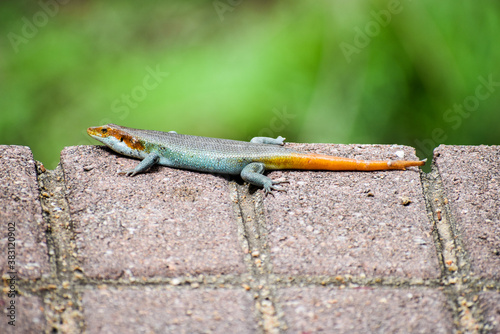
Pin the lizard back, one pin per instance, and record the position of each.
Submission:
(205, 153)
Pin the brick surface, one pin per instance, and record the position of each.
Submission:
(371, 223)
(168, 311)
(333, 310)
(490, 304)
(29, 317)
(471, 178)
(20, 208)
(166, 222)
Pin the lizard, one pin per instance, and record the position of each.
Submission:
(224, 156)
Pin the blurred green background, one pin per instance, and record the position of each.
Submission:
(418, 73)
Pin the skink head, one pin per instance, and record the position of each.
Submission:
(116, 137)
(98, 132)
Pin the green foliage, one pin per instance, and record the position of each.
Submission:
(338, 72)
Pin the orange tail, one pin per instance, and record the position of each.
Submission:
(328, 162)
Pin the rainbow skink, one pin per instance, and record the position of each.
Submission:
(248, 159)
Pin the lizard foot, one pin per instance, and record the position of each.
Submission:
(269, 187)
(267, 140)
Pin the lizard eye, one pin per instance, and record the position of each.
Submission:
(121, 139)
(104, 130)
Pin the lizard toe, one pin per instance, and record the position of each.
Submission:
(280, 180)
(130, 172)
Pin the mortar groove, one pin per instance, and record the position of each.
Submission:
(64, 311)
(454, 261)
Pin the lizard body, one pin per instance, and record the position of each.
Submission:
(214, 155)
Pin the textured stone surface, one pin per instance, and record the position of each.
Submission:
(371, 223)
(168, 311)
(490, 304)
(166, 222)
(471, 178)
(170, 223)
(20, 209)
(29, 317)
(330, 310)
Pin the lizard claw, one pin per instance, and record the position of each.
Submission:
(130, 172)
(280, 180)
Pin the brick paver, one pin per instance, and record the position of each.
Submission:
(490, 304)
(367, 310)
(157, 310)
(29, 317)
(471, 178)
(167, 222)
(339, 252)
(20, 210)
(332, 223)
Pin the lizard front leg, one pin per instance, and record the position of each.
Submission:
(267, 140)
(252, 173)
(151, 159)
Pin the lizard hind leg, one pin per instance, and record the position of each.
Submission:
(252, 173)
